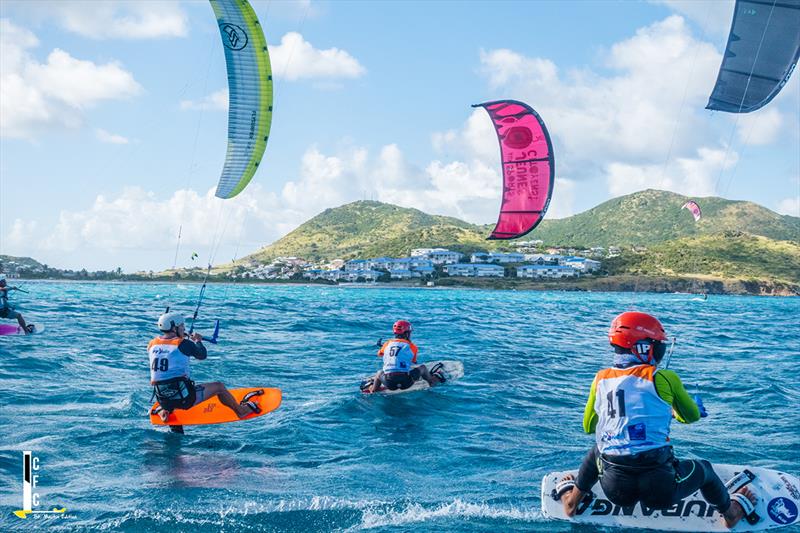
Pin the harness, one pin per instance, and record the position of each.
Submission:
(175, 393)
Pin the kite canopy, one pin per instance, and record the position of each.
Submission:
(762, 50)
(528, 167)
(250, 93)
(694, 209)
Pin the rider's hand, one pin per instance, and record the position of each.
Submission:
(196, 337)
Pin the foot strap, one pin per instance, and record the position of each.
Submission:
(438, 371)
(562, 487)
(743, 478)
(747, 506)
(367, 384)
(252, 405)
(249, 395)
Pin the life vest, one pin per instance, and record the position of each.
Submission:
(166, 360)
(398, 355)
(632, 417)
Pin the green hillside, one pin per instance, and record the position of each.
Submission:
(372, 229)
(650, 217)
(726, 256)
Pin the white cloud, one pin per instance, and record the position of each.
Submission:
(761, 127)
(111, 138)
(295, 58)
(789, 206)
(692, 176)
(217, 101)
(35, 96)
(106, 19)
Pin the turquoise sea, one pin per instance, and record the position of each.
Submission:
(468, 456)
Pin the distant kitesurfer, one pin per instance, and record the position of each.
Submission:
(6, 311)
(399, 356)
(630, 408)
(169, 370)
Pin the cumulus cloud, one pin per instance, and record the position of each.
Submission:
(106, 19)
(217, 101)
(295, 59)
(35, 95)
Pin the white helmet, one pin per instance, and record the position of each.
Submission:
(169, 321)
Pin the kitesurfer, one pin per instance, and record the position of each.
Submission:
(169, 371)
(6, 311)
(630, 408)
(399, 354)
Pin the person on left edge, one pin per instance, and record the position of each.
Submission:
(169, 354)
(399, 356)
(6, 311)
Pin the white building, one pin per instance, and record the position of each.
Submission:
(355, 264)
(497, 257)
(438, 256)
(546, 271)
(475, 270)
(582, 264)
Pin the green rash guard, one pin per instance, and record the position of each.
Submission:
(668, 387)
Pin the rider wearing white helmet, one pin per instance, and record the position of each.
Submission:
(169, 370)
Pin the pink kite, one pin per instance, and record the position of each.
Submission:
(694, 209)
(528, 167)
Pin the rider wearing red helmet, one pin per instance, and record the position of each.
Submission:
(399, 356)
(630, 408)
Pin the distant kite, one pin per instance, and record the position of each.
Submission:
(694, 209)
(250, 93)
(528, 167)
(762, 51)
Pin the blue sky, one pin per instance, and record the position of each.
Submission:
(113, 117)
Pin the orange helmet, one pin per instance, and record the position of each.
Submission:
(640, 334)
(401, 326)
(631, 327)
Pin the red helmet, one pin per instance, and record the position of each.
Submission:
(631, 327)
(401, 326)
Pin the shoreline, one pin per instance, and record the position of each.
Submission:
(619, 283)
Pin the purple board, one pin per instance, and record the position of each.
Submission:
(528, 167)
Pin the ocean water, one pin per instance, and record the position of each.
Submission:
(468, 456)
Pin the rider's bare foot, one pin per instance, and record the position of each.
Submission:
(735, 512)
(163, 415)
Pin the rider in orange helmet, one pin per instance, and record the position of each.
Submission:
(399, 356)
(630, 408)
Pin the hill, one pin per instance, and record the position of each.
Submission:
(733, 256)
(373, 229)
(651, 217)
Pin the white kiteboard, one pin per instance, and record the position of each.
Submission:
(453, 370)
(14, 329)
(778, 496)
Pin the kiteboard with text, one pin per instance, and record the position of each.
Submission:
(528, 167)
(761, 54)
(778, 502)
(452, 370)
(212, 411)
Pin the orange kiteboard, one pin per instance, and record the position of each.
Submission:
(212, 411)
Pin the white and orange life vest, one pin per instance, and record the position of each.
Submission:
(166, 360)
(398, 355)
(632, 417)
